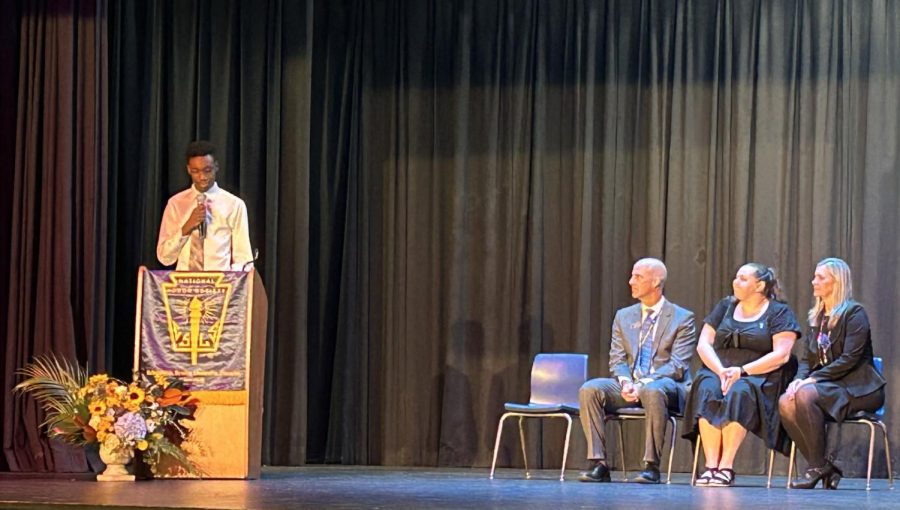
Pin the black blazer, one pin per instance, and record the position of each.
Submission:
(851, 351)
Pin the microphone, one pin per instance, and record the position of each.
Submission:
(201, 200)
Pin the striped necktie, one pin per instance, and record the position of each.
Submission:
(196, 260)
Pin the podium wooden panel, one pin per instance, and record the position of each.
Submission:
(226, 438)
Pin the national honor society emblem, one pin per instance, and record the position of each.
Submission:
(195, 305)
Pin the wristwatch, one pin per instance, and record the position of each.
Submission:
(744, 372)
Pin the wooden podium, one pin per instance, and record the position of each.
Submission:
(209, 328)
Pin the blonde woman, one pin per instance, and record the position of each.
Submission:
(836, 378)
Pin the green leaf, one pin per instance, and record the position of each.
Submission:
(54, 383)
(165, 448)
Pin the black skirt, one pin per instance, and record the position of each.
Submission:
(837, 402)
(752, 401)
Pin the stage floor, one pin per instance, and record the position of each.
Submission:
(379, 487)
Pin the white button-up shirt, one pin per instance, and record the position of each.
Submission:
(227, 243)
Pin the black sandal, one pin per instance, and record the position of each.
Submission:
(722, 478)
(706, 477)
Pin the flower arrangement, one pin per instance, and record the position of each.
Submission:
(144, 415)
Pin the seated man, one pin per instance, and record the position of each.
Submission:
(649, 359)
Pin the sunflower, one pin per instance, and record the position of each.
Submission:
(111, 386)
(97, 407)
(98, 379)
(106, 422)
(135, 397)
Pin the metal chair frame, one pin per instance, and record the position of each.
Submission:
(858, 421)
(870, 419)
(544, 407)
(522, 416)
(638, 413)
(697, 458)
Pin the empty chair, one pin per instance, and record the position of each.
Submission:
(555, 381)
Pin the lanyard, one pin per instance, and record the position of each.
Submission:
(642, 337)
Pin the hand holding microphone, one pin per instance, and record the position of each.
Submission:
(197, 219)
(201, 205)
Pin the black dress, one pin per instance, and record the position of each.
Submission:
(753, 400)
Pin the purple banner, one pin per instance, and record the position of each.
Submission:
(194, 326)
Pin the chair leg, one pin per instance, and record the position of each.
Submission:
(696, 458)
(887, 453)
(871, 453)
(621, 423)
(497, 444)
(674, 423)
(524, 453)
(771, 465)
(794, 465)
(791, 463)
(562, 470)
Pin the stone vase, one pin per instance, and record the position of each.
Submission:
(116, 462)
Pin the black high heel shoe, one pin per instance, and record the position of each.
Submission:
(831, 481)
(813, 475)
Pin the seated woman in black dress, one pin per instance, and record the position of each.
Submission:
(745, 346)
(838, 376)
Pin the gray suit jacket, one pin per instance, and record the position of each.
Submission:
(673, 343)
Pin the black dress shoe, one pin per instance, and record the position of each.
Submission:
(650, 474)
(598, 473)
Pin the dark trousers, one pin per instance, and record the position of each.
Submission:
(599, 396)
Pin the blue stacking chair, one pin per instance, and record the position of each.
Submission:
(862, 418)
(555, 381)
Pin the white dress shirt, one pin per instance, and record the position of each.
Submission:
(227, 243)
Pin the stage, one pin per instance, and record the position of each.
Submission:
(378, 487)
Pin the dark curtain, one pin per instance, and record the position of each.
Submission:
(237, 73)
(440, 190)
(57, 246)
(9, 16)
(444, 189)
